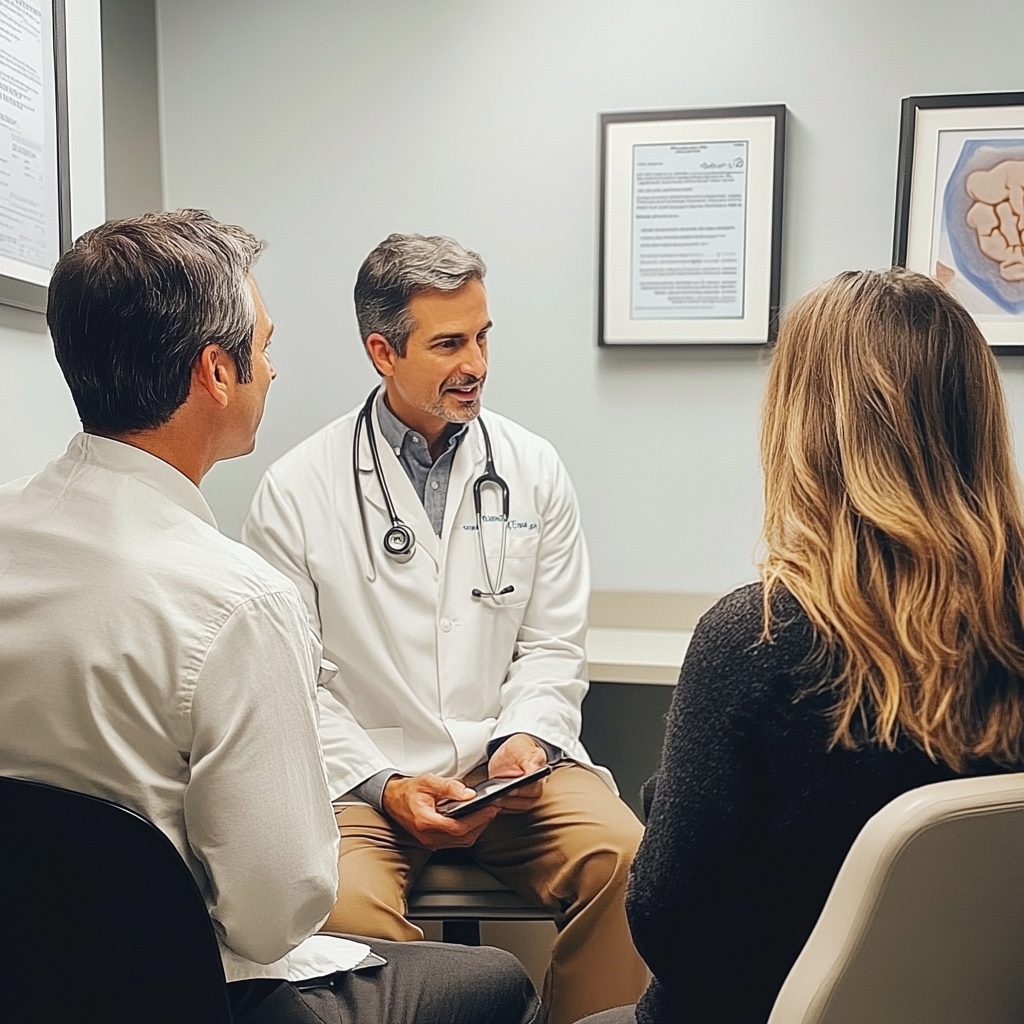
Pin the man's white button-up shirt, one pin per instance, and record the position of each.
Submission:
(148, 659)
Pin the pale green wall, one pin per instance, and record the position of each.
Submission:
(325, 125)
(131, 105)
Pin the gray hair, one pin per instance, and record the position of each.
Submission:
(396, 270)
(133, 304)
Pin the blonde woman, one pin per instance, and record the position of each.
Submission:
(882, 650)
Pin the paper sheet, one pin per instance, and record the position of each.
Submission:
(315, 957)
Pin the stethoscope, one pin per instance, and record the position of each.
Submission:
(399, 540)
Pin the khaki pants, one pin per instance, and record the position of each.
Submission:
(570, 852)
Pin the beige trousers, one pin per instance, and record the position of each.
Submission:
(570, 852)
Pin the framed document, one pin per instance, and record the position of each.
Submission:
(35, 225)
(960, 204)
(691, 226)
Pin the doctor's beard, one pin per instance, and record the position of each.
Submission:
(462, 412)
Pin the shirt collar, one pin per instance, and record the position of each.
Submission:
(395, 431)
(118, 457)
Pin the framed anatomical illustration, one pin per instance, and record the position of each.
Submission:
(960, 204)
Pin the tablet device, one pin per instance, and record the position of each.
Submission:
(487, 792)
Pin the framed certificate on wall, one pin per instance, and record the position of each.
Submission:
(35, 223)
(960, 205)
(691, 226)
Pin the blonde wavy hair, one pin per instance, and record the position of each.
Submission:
(893, 515)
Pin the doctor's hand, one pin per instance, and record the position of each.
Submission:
(412, 803)
(518, 755)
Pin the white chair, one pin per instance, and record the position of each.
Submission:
(925, 921)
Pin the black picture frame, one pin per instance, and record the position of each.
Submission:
(760, 325)
(15, 290)
(924, 185)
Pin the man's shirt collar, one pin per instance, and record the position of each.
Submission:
(119, 457)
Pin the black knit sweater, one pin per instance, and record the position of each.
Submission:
(751, 818)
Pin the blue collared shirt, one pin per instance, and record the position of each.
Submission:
(429, 477)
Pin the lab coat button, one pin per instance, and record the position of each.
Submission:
(446, 625)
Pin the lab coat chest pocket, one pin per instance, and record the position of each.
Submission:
(521, 548)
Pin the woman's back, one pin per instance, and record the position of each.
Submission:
(884, 650)
(753, 814)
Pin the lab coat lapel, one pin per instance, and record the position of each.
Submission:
(404, 497)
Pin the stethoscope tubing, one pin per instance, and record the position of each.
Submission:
(492, 478)
(400, 542)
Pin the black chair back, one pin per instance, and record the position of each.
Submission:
(100, 918)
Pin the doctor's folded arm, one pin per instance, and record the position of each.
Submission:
(439, 554)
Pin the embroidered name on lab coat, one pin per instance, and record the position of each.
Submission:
(513, 524)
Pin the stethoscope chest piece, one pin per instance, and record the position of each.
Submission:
(400, 542)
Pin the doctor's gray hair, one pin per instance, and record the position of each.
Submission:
(134, 302)
(396, 270)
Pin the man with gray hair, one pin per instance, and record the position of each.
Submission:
(441, 560)
(147, 659)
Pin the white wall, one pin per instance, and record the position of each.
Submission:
(131, 101)
(324, 126)
(37, 416)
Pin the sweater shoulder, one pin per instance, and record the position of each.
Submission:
(731, 662)
(734, 626)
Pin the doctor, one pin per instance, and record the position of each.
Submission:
(441, 560)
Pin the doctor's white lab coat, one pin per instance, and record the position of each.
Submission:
(428, 674)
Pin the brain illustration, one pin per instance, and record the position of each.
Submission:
(983, 222)
(997, 215)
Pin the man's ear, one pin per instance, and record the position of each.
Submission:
(214, 374)
(382, 354)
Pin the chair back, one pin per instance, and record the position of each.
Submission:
(925, 921)
(100, 918)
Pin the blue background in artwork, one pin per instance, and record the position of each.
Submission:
(982, 272)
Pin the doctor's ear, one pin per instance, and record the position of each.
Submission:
(384, 357)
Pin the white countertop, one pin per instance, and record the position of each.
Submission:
(652, 656)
